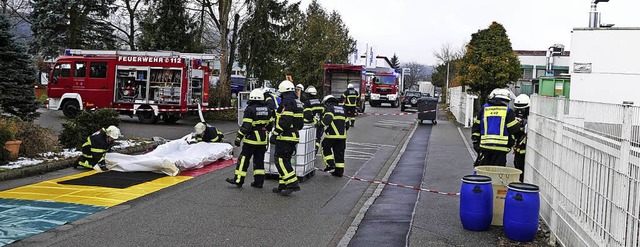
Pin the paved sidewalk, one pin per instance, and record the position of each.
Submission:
(436, 220)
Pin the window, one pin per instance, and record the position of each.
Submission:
(541, 73)
(62, 70)
(80, 70)
(98, 70)
(527, 74)
(389, 80)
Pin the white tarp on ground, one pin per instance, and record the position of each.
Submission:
(171, 158)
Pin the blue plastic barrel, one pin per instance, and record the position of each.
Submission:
(476, 202)
(521, 210)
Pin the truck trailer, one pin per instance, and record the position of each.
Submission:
(336, 77)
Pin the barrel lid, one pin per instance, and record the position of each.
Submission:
(523, 187)
(478, 179)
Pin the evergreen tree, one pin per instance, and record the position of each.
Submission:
(395, 63)
(489, 62)
(168, 26)
(78, 24)
(16, 76)
(321, 38)
(261, 41)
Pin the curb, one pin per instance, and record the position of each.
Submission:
(50, 166)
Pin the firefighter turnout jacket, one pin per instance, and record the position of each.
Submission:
(210, 134)
(312, 107)
(272, 101)
(494, 127)
(350, 97)
(257, 121)
(94, 149)
(334, 122)
(289, 119)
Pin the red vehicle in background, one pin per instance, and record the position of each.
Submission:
(151, 85)
(336, 77)
(385, 87)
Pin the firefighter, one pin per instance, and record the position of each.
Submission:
(493, 128)
(256, 123)
(350, 99)
(312, 111)
(96, 147)
(300, 93)
(521, 105)
(285, 137)
(335, 126)
(207, 133)
(271, 98)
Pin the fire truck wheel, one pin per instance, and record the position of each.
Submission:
(147, 117)
(70, 108)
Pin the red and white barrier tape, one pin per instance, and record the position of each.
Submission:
(397, 185)
(176, 110)
(394, 114)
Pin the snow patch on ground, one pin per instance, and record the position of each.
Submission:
(64, 154)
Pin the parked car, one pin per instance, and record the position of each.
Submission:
(410, 100)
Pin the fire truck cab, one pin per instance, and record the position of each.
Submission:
(151, 85)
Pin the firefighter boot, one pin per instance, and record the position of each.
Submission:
(278, 189)
(232, 181)
(290, 188)
(258, 180)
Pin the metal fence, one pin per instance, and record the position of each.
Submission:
(461, 105)
(585, 156)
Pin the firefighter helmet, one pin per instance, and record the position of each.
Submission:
(286, 86)
(350, 86)
(311, 90)
(299, 86)
(199, 128)
(329, 99)
(501, 93)
(256, 94)
(113, 132)
(521, 102)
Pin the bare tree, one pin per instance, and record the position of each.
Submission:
(419, 72)
(125, 21)
(445, 56)
(18, 10)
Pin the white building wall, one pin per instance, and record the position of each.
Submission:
(615, 65)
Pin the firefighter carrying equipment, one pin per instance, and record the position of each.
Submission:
(286, 136)
(94, 151)
(257, 121)
(207, 133)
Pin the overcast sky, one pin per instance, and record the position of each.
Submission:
(413, 29)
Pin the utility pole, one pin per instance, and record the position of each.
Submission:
(447, 86)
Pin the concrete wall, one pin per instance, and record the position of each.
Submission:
(614, 55)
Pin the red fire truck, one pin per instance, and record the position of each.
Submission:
(384, 87)
(151, 85)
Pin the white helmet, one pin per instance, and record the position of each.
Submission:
(500, 93)
(311, 90)
(286, 86)
(521, 102)
(256, 94)
(329, 98)
(199, 128)
(350, 86)
(113, 132)
(299, 86)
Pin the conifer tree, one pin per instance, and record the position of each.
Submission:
(16, 76)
